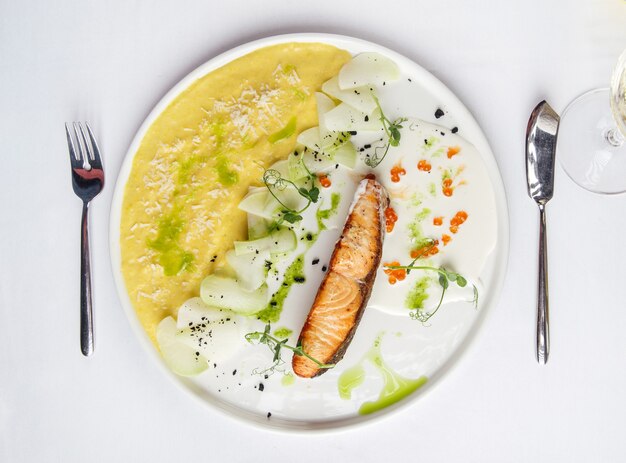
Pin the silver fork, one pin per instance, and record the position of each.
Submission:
(88, 181)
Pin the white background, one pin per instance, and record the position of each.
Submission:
(110, 62)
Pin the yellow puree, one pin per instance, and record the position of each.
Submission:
(198, 159)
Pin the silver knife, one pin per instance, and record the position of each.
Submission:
(541, 135)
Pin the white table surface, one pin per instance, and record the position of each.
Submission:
(110, 62)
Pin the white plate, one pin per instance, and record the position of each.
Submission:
(429, 93)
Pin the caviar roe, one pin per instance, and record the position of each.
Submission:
(447, 188)
(324, 180)
(438, 221)
(446, 239)
(396, 171)
(426, 250)
(456, 221)
(390, 219)
(395, 274)
(424, 165)
(453, 151)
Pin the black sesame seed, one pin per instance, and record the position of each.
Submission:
(454, 129)
(367, 118)
(261, 387)
(315, 261)
(269, 415)
(234, 372)
(439, 113)
(324, 268)
(299, 279)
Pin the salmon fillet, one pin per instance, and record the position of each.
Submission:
(346, 288)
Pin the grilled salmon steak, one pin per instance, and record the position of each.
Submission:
(346, 288)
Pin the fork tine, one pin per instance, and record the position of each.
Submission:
(97, 160)
(70, 144)
(88, 148)
(81, 144)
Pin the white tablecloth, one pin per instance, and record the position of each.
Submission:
(110, 62)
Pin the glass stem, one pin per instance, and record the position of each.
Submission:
(614, 137)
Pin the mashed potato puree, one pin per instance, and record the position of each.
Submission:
(197, 160)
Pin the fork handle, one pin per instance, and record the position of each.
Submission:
(543, 324)
(86, 313)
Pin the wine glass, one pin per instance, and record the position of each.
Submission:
(592, 136)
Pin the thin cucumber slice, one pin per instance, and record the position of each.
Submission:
(178, 356)
(227, 293)
(368, 68)
(359, 98)
(249, 268)
(279, 241)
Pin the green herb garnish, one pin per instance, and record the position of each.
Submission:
(446, 277)
(273, 180)
(392, 130)
(276, 346)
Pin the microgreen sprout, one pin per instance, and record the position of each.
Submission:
(273, 180)
(276, 346)
(446, 277)
(392, 130)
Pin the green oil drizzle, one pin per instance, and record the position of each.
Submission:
(189, 166)
(418, 294)
(325, 214)
(285, 132)
(293, 274)
(350, 379)
(288, 379)
(395, 386)
(282, 333)
(172, 257)
(227, 176)
(432, 189)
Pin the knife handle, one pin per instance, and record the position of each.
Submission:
(543, 324)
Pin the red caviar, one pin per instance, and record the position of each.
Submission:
(324, 180)
(452, 151)
(426, 250)
(446, 239)
(424, 165)
(438, 221)
(456, 221)
(447, 188)
(395, 274)
(396, 171)
(390, 219)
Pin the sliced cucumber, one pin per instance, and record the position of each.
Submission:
(249, 268)
(345, 118)
(193, 311)
(279, 241)
(359, 98)
(227, 293)
(368, 69)
(255, 203)
(178, 356)
(296, 169)
(312, 140)
(258, 227)
(345, 155)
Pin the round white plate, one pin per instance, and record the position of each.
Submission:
(427, 94)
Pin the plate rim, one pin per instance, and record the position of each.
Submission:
(334, 425)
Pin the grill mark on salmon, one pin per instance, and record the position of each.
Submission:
(346, 288)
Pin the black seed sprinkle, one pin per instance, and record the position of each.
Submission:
(269, 415)
(352, 132)
(315, 261)
(439, 113)
(309, 237)
(454, 129)
(261, 387)
(234, 372)
(367, 118)
(368, 146)
(299, 279)
(324, 268)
